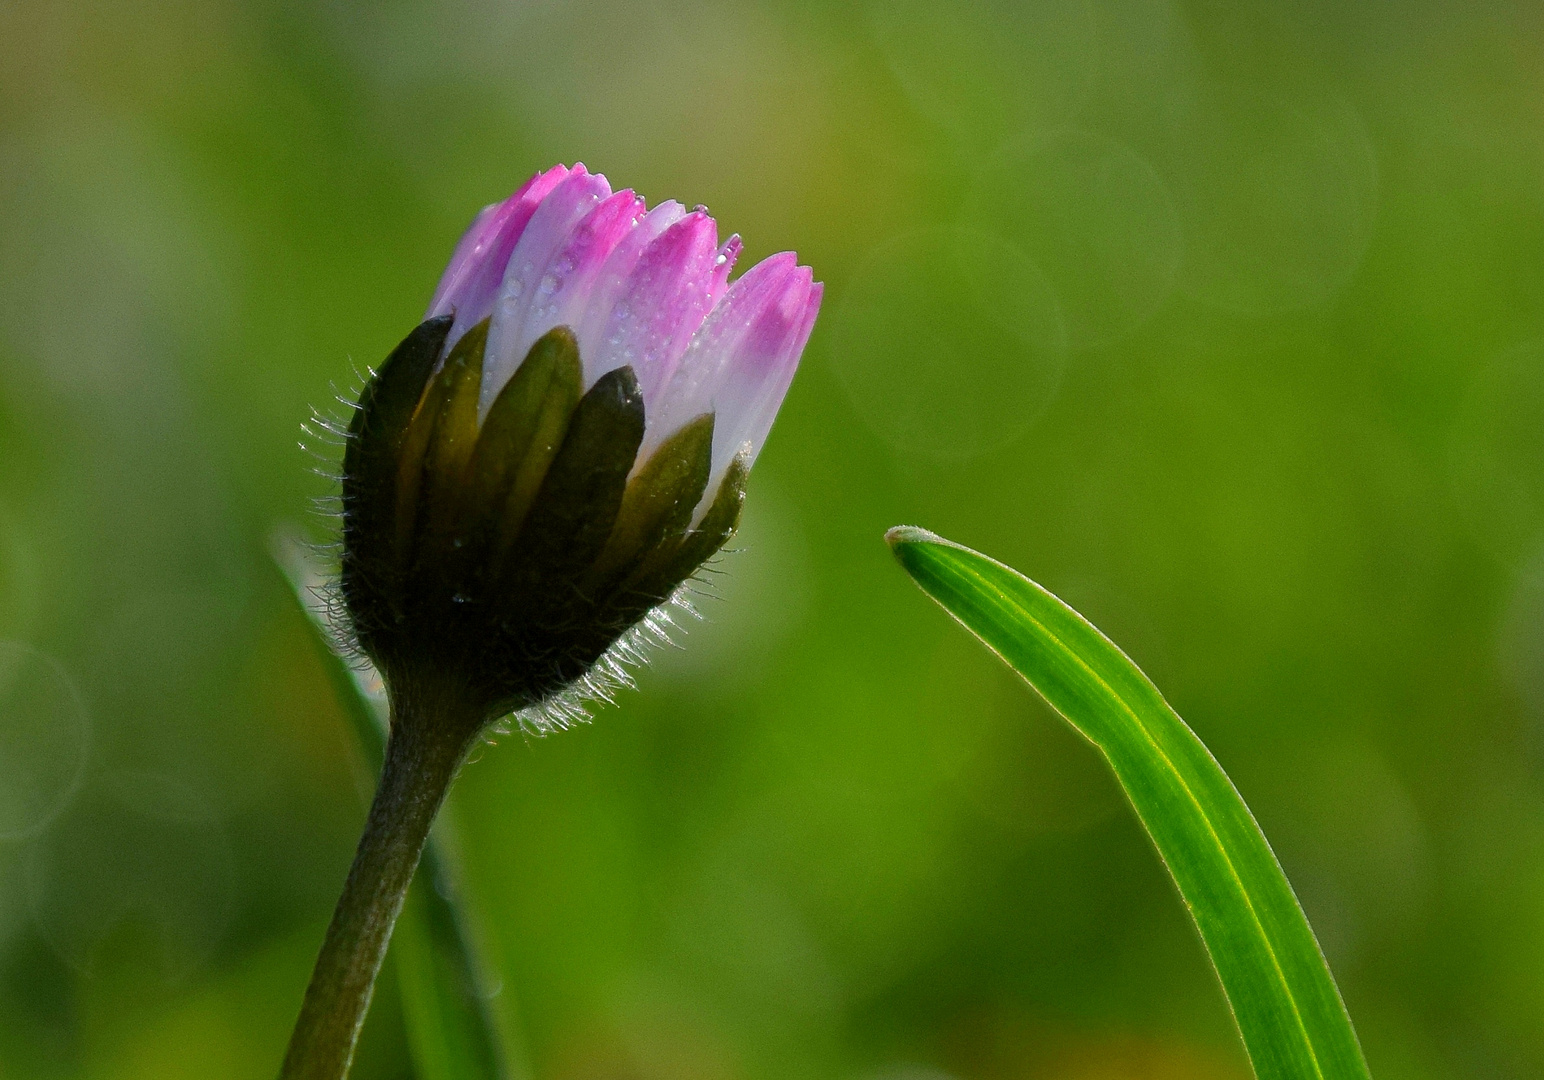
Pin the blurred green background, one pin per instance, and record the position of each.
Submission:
(1224, 319)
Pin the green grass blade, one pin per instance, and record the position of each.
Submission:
(453, 1030)
(1284, 999)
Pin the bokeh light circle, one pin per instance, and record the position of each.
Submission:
(44, 735)
(1095, 216)
(986, 68)
(950, 342)
(1277, 197)
(1520, 642)
(1497, 455)
(20, 586)
(139, 871)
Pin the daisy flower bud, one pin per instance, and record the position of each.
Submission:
(540, 464)
(563, 440)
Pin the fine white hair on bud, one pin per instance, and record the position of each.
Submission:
(613, 672)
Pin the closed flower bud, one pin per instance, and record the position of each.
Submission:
(539, 465)
(561, 443)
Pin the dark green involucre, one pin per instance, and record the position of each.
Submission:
(499, 561)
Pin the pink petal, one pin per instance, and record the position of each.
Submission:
(695, 383)
(613, 280)
(568, 283)
(649, 289)
(759, 375)
(665, 299)
(471, 279)
(568, 204)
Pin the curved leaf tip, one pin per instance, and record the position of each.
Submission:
(911, 534)
(1284, 999)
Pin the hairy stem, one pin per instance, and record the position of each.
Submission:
(422, 756)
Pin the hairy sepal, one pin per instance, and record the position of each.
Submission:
(518, 558)
(370, 578)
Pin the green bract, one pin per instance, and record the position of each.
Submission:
(502, 560)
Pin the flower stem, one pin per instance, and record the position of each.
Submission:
(422, 756)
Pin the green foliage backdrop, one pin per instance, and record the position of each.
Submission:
(1224, 321)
